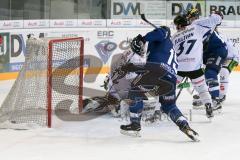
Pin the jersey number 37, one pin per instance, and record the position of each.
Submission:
(189, 45)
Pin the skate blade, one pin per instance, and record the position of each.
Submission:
(217, 110)
(210, 117)
(193, 135)
(130, 133)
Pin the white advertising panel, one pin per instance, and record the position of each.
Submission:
(101, 42)
(11, 24)
(63, 23)
(181, 7)
(121, 9)
(36, 24)
(229, 9)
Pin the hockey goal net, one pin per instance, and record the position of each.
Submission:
(51, 74)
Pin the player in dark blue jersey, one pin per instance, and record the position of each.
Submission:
(156, 78)
(215, 53)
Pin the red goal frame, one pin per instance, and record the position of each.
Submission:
(49, 75)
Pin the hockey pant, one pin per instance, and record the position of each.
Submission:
(166, 84)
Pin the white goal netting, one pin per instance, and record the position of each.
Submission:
(51, 75)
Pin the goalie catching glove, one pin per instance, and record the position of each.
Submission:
(137, 45)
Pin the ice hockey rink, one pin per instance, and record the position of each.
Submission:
(100, 139)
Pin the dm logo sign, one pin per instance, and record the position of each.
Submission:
(105, 48)
(182, 8)
(126, 9)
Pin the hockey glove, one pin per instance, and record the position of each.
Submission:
(232, 65)
(137, 44)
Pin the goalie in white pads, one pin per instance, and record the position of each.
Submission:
(117, 83)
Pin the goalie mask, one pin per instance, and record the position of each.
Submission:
(138, 45)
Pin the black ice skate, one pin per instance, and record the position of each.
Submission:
(222, 99)
(217, 105)
(209, 110)
(193, 135)
(132, 129)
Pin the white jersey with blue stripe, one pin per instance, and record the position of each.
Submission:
(188, 43)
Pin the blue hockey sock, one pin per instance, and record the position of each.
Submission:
(172, 111)
(136, 111)
(212, 82)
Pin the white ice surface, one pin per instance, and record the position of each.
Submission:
(99, 139)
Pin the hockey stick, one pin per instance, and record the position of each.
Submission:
(145, 20)
(179, 92)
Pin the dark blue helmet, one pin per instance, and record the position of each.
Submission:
(181, 20)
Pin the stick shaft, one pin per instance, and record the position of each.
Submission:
(145, 20)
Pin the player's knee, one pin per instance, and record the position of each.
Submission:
(200, 84)
(212, 83)
(211, 73)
